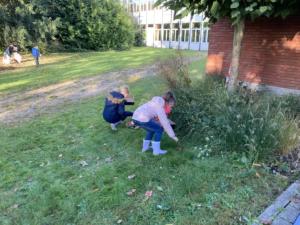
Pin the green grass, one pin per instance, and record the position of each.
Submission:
(56, 68)
(42, 181)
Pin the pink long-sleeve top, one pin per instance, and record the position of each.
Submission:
(152, 109)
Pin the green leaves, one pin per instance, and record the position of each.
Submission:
(214, 8)
(236, 9)
(234, 5)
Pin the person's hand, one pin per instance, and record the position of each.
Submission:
(175, 139)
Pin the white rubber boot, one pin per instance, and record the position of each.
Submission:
(156, 148)
(113, 126)
(146, 145)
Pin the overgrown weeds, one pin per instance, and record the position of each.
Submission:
(254, 124)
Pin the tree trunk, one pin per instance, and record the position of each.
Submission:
(236, 50)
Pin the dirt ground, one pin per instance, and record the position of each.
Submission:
(22, 106)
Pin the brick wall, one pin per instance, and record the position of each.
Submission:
(270, 51)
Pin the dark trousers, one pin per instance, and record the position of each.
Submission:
(125, 115)
(36, 61)
(153, 128)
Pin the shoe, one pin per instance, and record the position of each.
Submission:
(113, 126)
(156, 148)
(146, 145)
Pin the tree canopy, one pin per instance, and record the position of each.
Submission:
(233, 9)
(67, 24)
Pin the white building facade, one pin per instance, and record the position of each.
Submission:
(163, 31)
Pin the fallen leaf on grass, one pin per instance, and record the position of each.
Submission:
(256, 164)
(159, 188)
(148, 195)
(15, 206)
(131, 192)
(60, 155)
(130, 177)
(83, 163)
(257, 174)
(162, 207)
(108, 160)
(119, 221)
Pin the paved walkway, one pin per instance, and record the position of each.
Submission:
(285, 210)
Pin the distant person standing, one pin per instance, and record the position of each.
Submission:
(36, 55)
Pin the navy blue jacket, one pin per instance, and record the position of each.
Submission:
(114, 109)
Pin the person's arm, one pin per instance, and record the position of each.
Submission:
(121, 108)
(165, 123)
(129, 101)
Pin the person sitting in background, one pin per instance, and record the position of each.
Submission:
(36, 55)
(7, 54)
(114, 109)
(16, 56)
(146, 117)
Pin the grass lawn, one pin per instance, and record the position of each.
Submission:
(56, 68)
(70, 168)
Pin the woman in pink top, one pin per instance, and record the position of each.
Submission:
(145, 117)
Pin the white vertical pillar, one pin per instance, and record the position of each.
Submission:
(171, 28)
(162, 27)
(154, 28)
(190, 31)
(179, 35)
(201, 32)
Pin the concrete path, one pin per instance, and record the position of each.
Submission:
(285, 210)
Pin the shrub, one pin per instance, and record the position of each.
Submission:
(255, 124)
(139, 38)
(175, 71)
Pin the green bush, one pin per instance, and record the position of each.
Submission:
(245, 122)
(139, 38)
(66, 24)
(255, 124)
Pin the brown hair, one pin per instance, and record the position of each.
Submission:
(169, 97)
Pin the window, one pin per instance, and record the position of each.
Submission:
(196, 25)
(166, 26)
(196, 35)
(205, 24)
(185, 25)
(187, 35)
(166, 35)
(150, 25)
(175, 25)
(205, 35)
(157, 32)
(157, 35)
(175, 35)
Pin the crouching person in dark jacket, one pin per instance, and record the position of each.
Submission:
(114, 109)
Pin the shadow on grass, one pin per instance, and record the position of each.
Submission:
(72, 66)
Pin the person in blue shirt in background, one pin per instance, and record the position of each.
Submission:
(36, 55)
(114, 109)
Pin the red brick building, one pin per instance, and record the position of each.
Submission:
(270, 53)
